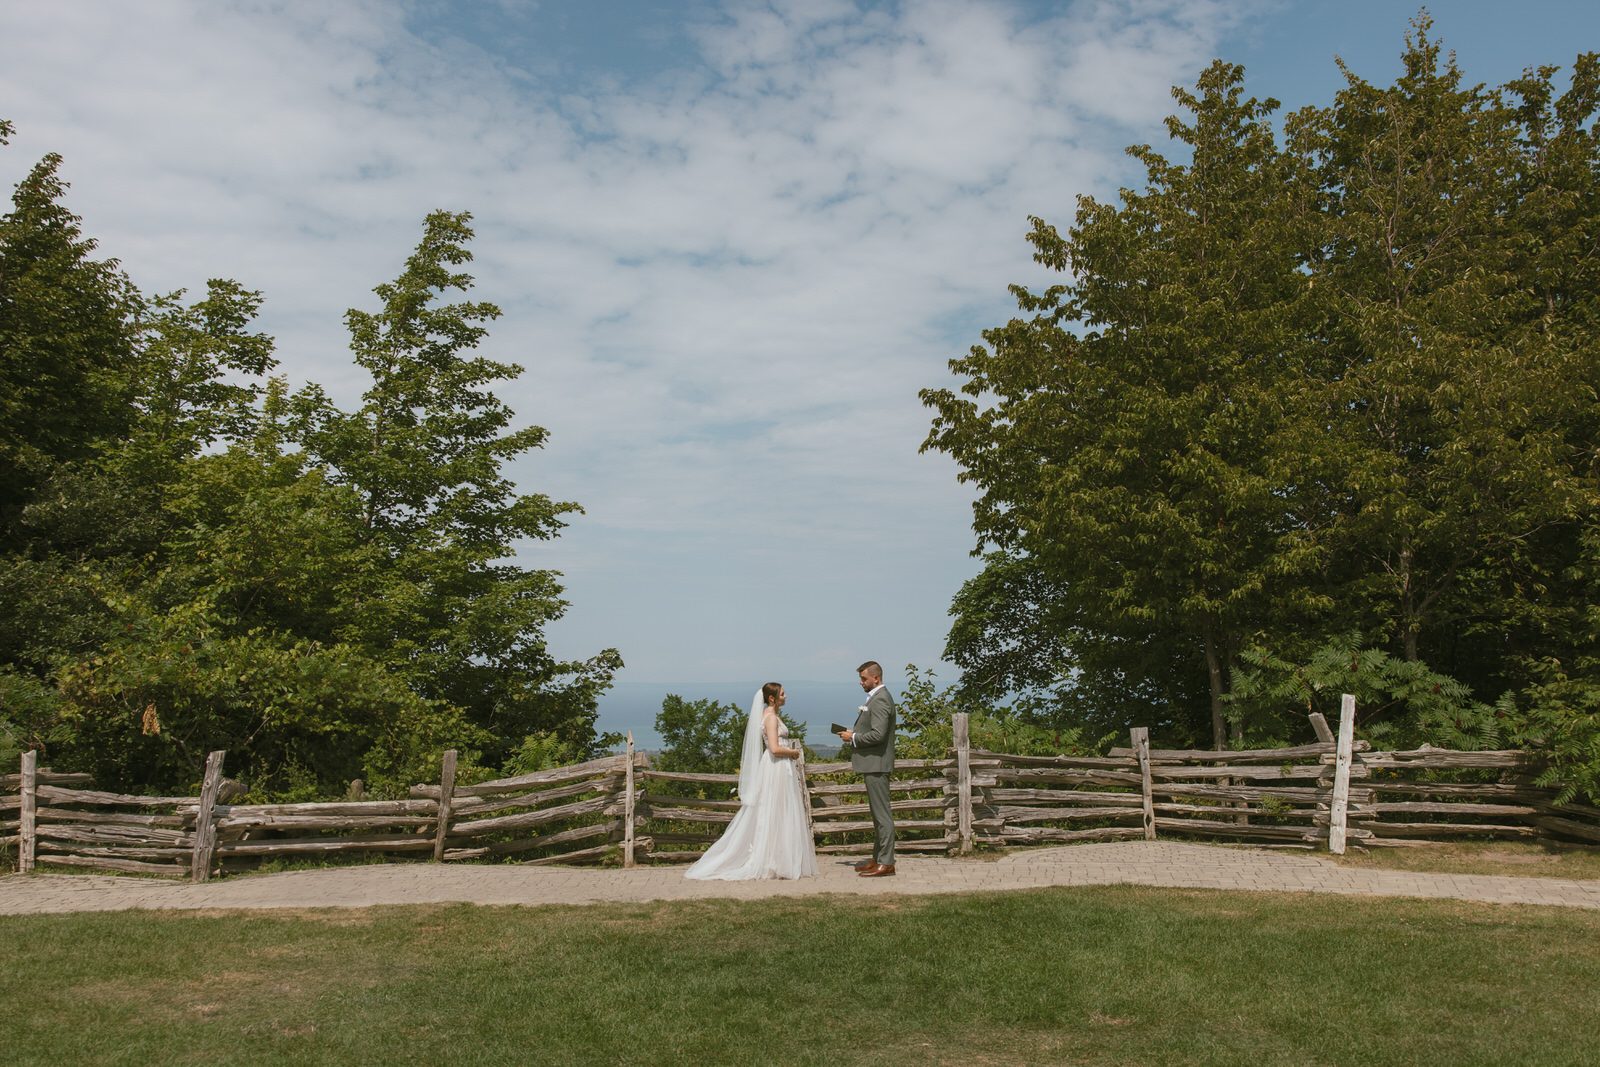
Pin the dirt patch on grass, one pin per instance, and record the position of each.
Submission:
(227, 993)
(1512, 857)
(1518, 859)
(321, 916)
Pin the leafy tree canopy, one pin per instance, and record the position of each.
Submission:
(193, 557)
(1341, 381)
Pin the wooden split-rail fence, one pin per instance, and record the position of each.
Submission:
(1331, 793)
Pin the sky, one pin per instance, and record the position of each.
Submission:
(732, 241)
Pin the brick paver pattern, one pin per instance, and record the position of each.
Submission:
(1157, 863)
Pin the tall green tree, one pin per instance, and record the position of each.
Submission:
(1151, 468)
(165, 602)
(424, 455)
(97, 385)
(193, 558)
(1347, 385)
(66, 340)
(1453, 385)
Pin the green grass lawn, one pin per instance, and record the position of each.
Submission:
(1105, 975)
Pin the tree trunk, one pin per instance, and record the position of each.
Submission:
(1219, 722)
(1238, 721)
(1408, 607)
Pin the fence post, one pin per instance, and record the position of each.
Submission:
(963, 739)
(1339, 814)
(627, 808)
(28, 846)
(1320, 725)
(205, 820)
(1141, 748)
(447, 792)
(805, 794)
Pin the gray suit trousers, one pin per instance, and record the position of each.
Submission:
(882, 818)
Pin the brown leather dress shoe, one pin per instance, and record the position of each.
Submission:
(877, 870)
(868, 862)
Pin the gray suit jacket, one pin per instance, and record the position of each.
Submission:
(872, 751)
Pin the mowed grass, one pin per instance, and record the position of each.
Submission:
(1103, 975)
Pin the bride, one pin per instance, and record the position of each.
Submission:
(769, 837)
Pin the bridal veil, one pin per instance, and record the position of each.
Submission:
(769, 836)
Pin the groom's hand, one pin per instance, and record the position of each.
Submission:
(848, 735)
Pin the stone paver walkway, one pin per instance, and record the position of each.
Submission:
(1159, 863)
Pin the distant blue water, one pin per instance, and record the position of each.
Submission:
(634, 705)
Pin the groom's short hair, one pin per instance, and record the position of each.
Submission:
(870, 667)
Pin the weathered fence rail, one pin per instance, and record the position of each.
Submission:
(1331, 792)
(64, 824)
(511, 815)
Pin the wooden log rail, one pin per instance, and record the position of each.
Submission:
(530, 783)
(44, 776)
(546, 811)
(1432, 758)
(666, 815)
(1298, 796)
(156, 838)
(1243, 755)
(619, 807)
(837, 808)
(925, 817)
(1012, 794)
(452, 820)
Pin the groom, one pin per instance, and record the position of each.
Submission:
(872, 753)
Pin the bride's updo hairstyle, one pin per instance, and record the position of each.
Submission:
(769, 693)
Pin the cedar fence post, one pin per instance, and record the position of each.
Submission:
(1339, 816)
(447, 790)
(805, 794)
(205, 821)
(963, 739)
(28, 846)
(1320, 725)
(627, 808)
(1141, 747)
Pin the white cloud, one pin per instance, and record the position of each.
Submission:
(727, 284)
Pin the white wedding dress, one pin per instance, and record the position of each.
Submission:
(768, 837)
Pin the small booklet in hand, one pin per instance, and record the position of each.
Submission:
(837, 729)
